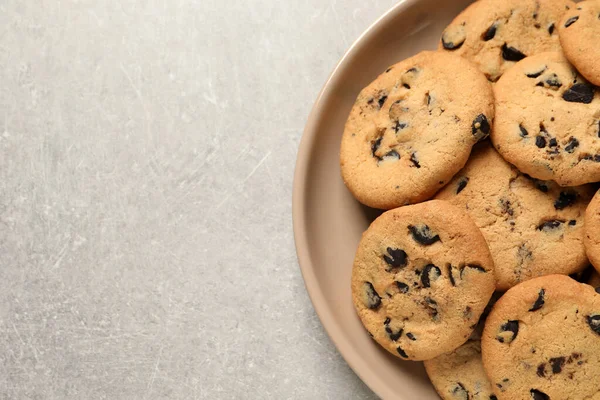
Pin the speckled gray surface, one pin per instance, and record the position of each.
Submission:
(146, 160)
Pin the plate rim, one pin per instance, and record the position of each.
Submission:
(309, 134)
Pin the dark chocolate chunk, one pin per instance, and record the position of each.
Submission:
(565, 199)
(508, 332)
(493, 397)
(451, 275)
(511, 54)
(459, 392)
(537, 395)
(410, 336)
(541, 370)
(397, 258)
(423, 235)
(371, 298)
(415, 160)
(462, 183)
(391, 155)
(382, 100)
(402, 287)
(394, 336)
(387, 321)
(549, 225)
(536, 74)
(540, 142)
(557, 364)
(401, 352)
(552, 143)
(480, 128)
(490, 33)
(375, 146)
(524, 132)
(551, 29)
(430, 274)
(539, 302)
(594, 323)
(572, 145)
(571, 21)
(551, 81)
(572, 222)
(432, 307)
(579, 93)
(398, 126)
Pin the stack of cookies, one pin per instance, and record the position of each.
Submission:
(486, 154)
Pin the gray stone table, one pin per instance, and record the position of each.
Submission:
(147, 149)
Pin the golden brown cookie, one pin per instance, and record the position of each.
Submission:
(412, 129)
(421, 279)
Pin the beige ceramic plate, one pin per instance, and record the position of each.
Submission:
(328, 222)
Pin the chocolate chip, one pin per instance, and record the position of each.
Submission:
(549, 225)
(579, 93)
(594, 323)
(394, 336)
(430, 274)
(511, 54)
(375, 146)
(541, 370)
(572, 222)
(410, 336)
(565, 199)
(589, 157)
(524, 132)
(540, 142)
(480, 128)
(423, 235)
(459, 392)
(382, 100)
(398, 126)
(571, 21)
(508, 332)
(551, 29)
(402, 287)
(371, 298)
(539, 302)
(453, 45)
(401, 352)
(552, 143)
(536, 74)
(415, 160)
(432, 307)
(537, 395)
(397, 258)
(462, 183)
(391, 155)
(387, 321)
(572, 145)
(490, 33)
(557, 364)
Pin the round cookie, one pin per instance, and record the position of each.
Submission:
(592, 231)
(548, 121)
(413, 128)
(495, 34)
(542, 341)
(579, 31)
(422, 277)
(532, 227)
(459, 375)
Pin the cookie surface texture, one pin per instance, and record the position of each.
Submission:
(579, 31)
(422, 277)
(548, 121)
(496, 34)
(412, 129)
(532, 227)
(459, 375)
(542, 341)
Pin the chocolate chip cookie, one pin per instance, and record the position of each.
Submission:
(413, 128)
(532, 227)
(496, 34)
(422, 277)
(459, 375)
(592, 231)
(542, 341)
(548, 121)
(579, 31)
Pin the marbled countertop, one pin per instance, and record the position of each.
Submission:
(146, 158)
